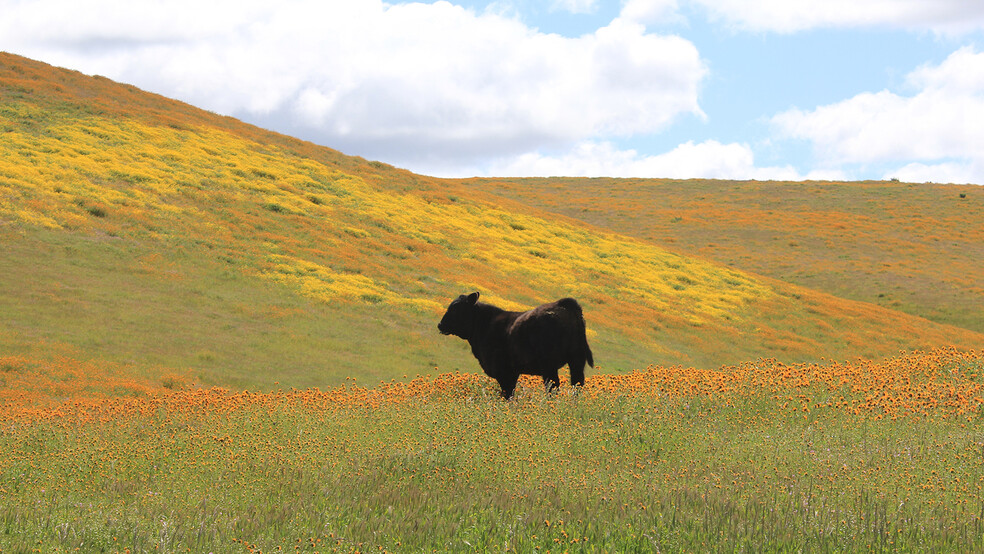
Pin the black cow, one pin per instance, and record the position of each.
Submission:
(537, 342)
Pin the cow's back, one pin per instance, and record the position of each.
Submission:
(541, 339)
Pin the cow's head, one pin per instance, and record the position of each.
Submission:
(458, 319)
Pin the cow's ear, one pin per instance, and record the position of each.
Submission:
(472, 298)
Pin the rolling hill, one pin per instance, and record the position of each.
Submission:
(157, 237)
(916, 248)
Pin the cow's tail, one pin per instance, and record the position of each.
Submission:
(577, 376)
(575, 308)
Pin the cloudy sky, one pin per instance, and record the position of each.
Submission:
(741, 89)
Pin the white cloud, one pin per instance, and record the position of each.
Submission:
(398, 82)
(947, 172)
(708, 160)
(575, 6)
(787, 16)
(651, 12)
(939, 123)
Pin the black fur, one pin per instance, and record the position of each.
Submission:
(536, 342)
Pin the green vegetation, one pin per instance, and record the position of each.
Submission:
(443, 464)
(142, 231)
(151, 250)
(914, 248)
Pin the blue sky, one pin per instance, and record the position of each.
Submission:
(774, 89)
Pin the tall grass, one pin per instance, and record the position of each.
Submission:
(762, 456)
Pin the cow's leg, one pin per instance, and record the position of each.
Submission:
(508, 384)
(551, 381)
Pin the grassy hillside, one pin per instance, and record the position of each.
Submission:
(145, 232)
(914, 248)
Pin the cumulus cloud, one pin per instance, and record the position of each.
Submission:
(651, 12)
(946, 172)
(708, 160)
(398, 82)
(936, 129)
(575, 6)
(441, 88)
(787, 16)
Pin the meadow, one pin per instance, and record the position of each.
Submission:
(217, 338)
(763, 456)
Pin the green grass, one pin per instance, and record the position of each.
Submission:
(915, 248)
(144, 241)
(139, 230)
(112, 299)
(464, 471)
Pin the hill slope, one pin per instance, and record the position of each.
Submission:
(913, 248)
(141, 230)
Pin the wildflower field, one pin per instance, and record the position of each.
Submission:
(213, 337)
(915, 248)
(852, 456)
(187, 240)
